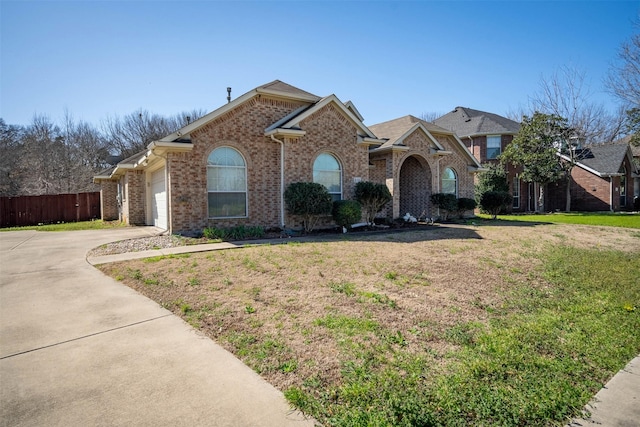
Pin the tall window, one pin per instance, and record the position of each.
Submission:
(450, 182)
(326, 171)
(516, 192)
(226, 183)
(494, 146)
(623, 187)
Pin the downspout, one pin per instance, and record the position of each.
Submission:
(472, 148)
(438, 179)
(274, 139)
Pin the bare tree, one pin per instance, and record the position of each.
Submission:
(431, 116)
(623, 79)
(44, 158)
(567, 94)
(86, 154)
(41, 166)
(132, 133)
(10, 152)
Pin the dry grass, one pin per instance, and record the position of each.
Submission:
(300, 313)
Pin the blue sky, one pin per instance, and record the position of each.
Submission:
(97, 59)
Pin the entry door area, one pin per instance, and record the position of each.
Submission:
(159, 199)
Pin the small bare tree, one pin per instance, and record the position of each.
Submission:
(566, 94)
(623, 81)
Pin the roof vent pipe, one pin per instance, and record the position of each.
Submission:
(228, 94)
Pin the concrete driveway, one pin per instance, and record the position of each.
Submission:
(78, 348)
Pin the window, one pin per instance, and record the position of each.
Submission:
(516, 192)
(623, 188)
(494, 146)
(449, 182)
(326, 171)
(226, 183)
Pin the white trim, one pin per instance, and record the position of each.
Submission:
(365, 140)
(420, 126)
(390, 148)
(354, 110)
(295, 133)
(246, 184)
(287, 95)
(295, 121)
(340, 169)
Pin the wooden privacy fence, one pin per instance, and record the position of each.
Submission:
(33, 210)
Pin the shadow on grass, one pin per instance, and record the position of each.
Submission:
(407, 234)
(513, 222)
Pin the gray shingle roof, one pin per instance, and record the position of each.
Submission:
(467, 122)
(394, 129)
(606, 159)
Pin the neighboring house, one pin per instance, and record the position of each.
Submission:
(603, 180)
(635, 152)
(231, 166)
(486, 135)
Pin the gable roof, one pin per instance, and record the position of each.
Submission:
(290, 123)
(395, 131)
(605, 159)
(275, 88)
(467, 122)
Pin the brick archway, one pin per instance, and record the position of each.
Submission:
(415, 187)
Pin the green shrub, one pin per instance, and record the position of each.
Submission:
(372, 197)
(214, 233)
(492, 202)
(308, 200)
(446, 202)
(346, 212)
(239, 232)
(494, 178)
(464, 205)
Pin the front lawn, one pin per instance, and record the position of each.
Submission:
(70, 226)
(614, 219)
(493, 325)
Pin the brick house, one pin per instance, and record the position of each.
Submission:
(418, 159)
(603, 180)
(486, 135)
(231, 166)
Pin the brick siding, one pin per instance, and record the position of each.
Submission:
(327, 130)
(109, 200)
(134, 208)
(412, 176)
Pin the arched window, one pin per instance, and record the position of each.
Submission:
(326, 171)
(227, 183)
(450, 182)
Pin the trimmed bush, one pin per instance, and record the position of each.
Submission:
(372, 198)
(446, 202)
(492, 202)
(464, 205)
(346, 212)
(308, 200)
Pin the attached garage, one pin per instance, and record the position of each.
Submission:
(159, 199)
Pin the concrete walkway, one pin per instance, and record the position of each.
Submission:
(79, 349)
(618, 403)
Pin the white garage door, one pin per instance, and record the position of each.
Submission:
(159, 199)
